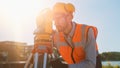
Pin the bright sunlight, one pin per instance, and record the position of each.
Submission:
(17, 14)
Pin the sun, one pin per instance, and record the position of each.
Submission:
(22, 13)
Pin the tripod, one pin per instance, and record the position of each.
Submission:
(43, 35)
(40, 58)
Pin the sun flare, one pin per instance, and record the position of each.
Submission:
(19, 12)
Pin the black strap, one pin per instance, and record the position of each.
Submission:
(72, 46)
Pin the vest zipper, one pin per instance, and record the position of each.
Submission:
(72, 55)
(72, 46)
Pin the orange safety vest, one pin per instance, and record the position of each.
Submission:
(76, 53)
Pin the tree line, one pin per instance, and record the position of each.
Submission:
(110, 56)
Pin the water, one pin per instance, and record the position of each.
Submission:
(113, 63)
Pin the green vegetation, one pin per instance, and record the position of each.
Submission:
(110, 66)
(110, 56)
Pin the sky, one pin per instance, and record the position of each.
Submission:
(18, 19)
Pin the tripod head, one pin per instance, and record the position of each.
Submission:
(43, 33)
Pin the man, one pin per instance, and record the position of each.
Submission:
(75, 42)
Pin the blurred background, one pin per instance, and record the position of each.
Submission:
(18, 22)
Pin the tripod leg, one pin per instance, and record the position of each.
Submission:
(45, 60)
(28, 61)
(36, 60)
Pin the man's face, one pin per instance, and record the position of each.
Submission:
(60, 21)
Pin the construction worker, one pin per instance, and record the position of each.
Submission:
(75, 42)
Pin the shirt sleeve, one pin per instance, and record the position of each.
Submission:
(90, 49)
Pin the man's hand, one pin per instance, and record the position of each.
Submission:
(58, 64)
